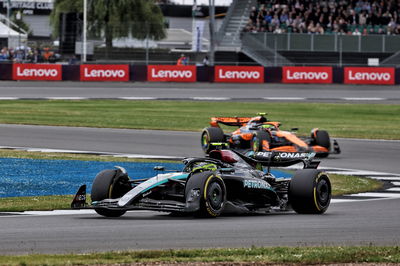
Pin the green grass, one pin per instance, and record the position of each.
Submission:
(374, 121)
(341, 184)
(272, 255)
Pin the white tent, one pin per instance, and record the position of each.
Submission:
(15, 38)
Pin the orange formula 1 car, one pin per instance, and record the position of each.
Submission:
(259, 134)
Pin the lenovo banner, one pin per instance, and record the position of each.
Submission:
(307, 74)
(37, 72)
(104, 72)
(369, 75)
(171, 73)
(239, 74)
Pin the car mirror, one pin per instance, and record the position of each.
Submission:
(227, 170)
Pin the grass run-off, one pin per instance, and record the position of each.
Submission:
(375, 121)
(341, 184)
(253, 255)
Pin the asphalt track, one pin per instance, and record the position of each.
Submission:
(365, 222)
(202, 91)
(373, 155)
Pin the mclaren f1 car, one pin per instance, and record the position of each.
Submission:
(260, 134)
(224, 182)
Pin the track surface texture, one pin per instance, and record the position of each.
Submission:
(373, 155)
(356, 223)
(202, 91)
(363, 222)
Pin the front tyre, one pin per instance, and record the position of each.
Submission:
(210, 135)
(310, 191)
(213, 200)
(109, 184)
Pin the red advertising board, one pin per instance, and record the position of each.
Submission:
(104, 72)
(239, 74)
(369, 75)
(307, 74)
(171, 73)
(37, 72)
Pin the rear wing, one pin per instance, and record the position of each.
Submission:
(230, 121)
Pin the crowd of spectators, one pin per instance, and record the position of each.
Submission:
(28, 55)
(356, 17)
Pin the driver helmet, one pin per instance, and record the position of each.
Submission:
(204, 166)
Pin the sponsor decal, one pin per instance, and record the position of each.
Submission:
(369, 75)
(171, 73)
(307, 74)
(37, 72)
(239, 74)
(285, 155)
(256, 183)
(104, 72)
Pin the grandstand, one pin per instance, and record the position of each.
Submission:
(310, 32)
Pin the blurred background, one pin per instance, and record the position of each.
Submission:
(205, 32)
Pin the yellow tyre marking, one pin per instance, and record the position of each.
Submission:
(205, 194)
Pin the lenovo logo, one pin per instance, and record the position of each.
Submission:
(369, 75)
(238, 74)
(171, 73)
(25, 72)
(36, 72)
(307, 75)
(104, 72)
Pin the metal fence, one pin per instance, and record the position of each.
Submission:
(330, 42)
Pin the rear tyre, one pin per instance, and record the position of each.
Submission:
(257, 141)
(210, 135)
(213, 199)
(109, 184)
(310, 191)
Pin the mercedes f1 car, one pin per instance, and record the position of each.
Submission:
(259, 134)
(224, 182)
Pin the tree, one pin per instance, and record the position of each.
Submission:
(111, 19)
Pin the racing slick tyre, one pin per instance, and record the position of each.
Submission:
(213, 196)
(321, 138)
(109, 184)
(310, 191)
(210, 135)
(258, 139)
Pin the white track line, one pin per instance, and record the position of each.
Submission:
(211, 98)
(363, 99)
(137, 98)
(285, 98)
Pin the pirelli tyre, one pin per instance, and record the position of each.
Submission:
(210, 135)
(310, 191)
(321, 138)
(213, 195)
(109, 184)
(260, 140)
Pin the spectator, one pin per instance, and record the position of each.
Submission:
(342, 16)
(183, 60)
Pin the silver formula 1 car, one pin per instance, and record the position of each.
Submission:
(224, 182)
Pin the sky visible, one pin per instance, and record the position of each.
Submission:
(203, 2)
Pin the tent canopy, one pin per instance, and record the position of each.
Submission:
(6, 32)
